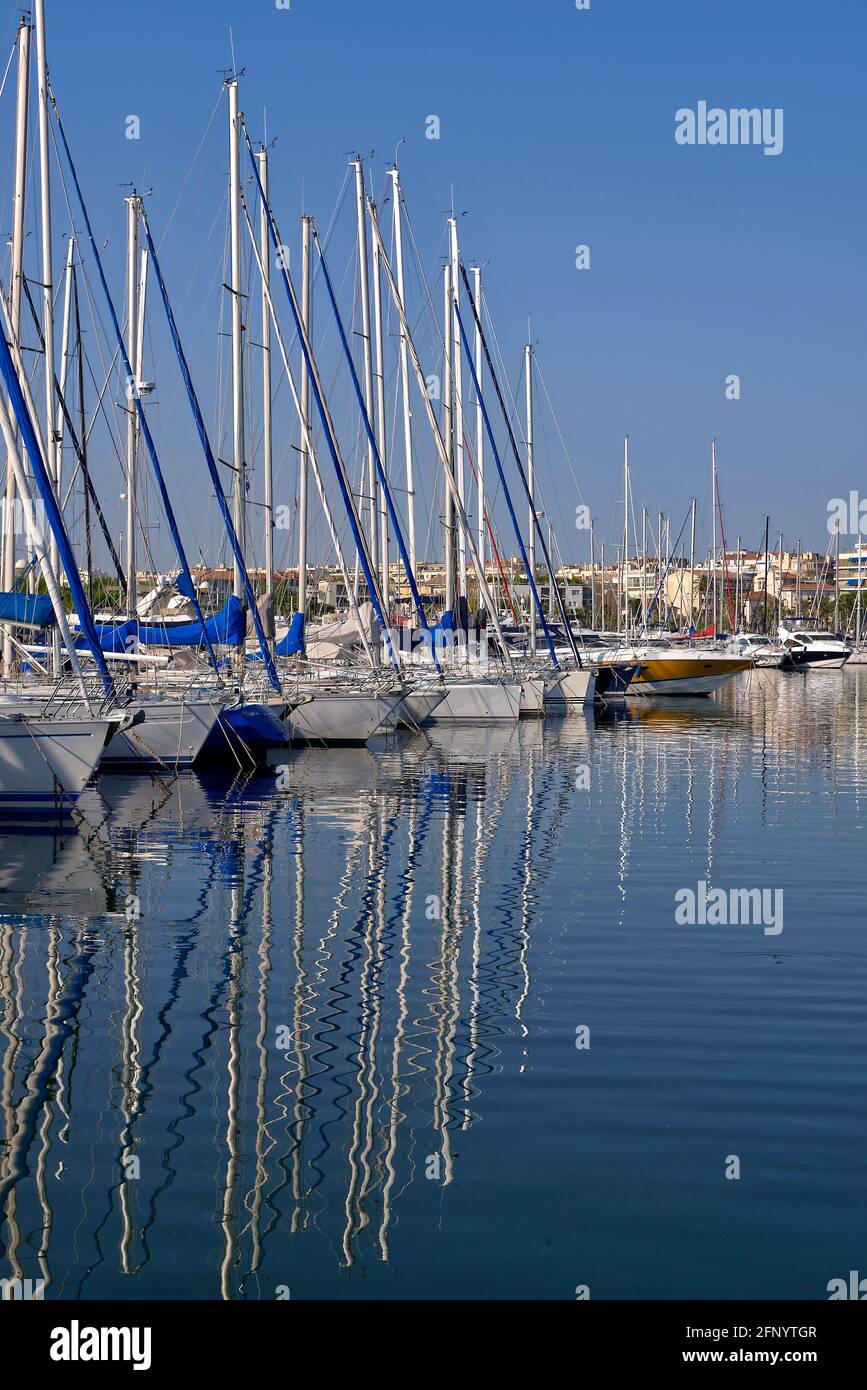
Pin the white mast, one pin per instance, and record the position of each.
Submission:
(458, 416)
(133, 207)
(18, 200)
(380, 429)
(404, 371)
(531, 484)
(364, 282)
(692, 566)
(51, 458)
(307, 438)
(267, 442)
(64, 343)
(238, 457)
(484, 590)
(306, 229)
(480, 423)
(643, 566)
(624, 596)
(592, 578)
(713, 516)
(448, 435)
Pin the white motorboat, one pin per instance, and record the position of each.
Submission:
(762, 651)
(814, 651)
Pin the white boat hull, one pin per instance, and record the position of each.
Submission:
(45, 764)
(574, 689)
(479, 702)
(343, 717)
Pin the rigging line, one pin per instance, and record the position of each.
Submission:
(8, 65)
(193, 165)
(188, 588)
(570, 636)
(74, 439)
(531, 578)
(558, 429)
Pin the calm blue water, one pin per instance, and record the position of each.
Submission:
(339, 1041)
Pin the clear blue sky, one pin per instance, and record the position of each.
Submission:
(557, 129)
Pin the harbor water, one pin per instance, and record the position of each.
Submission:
(419, 1020)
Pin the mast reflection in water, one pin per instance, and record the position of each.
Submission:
(321, 1041)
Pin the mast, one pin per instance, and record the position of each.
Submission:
(64, 344)
(780, 582)
(798, 577)
(643, 567)
(767, 563)
(592, 579)
(448, 437)
(82, 431)
(738, 586)
(18, 201)
(306, 232)
(404, 370)
(51, 458)
(267, 438)
(531, 547)
(238, 456)
(692, 566)
(372, 481)
(713, 523)
(625, 570)
(381, 427)
(458, 415)
(837, 580)
(480, 424)
(133, 205)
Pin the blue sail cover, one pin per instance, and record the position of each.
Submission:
(31, 610)
(293, 642)
(227, 628)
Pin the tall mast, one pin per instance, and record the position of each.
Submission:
(238, 454)
(713, 520)
(625, 570)
(692, 566)
(51, 458)
(457, 370)
(404, 369)
(836, 580)
(780, 582)
(480, 422)
(267, 438)
(738, 587)
(531, 484)
(64, 343)
(448, 435)
(798, 578)
(306, 233)
(767, 563)
(592, 578)
(133, 206)
(18, 200)
(643, 566)
(380, 427)
(372, 480)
